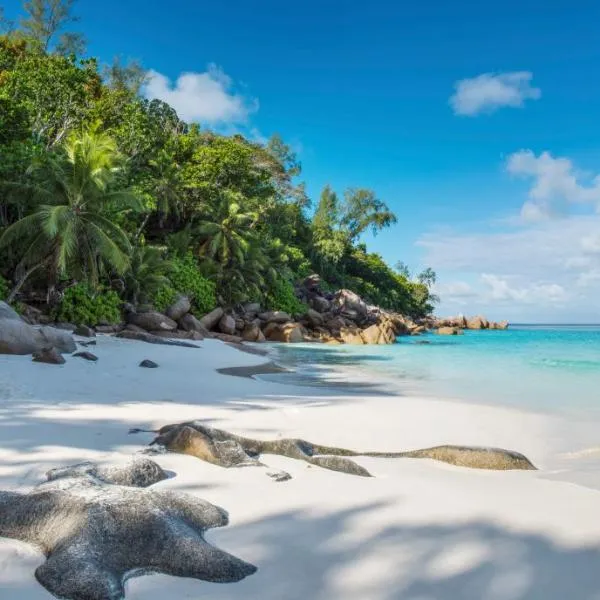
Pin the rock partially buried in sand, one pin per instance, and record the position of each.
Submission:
(198, 440)
(50, 356)
(279, 476)
(86, 356)
(141, 336)
(96, 535)
(139, 472)
(148, 364)
(496, 459)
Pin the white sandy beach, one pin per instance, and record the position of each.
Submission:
(417, 530)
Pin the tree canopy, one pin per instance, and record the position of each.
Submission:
(102, 187)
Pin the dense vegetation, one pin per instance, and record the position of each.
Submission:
(106, 196)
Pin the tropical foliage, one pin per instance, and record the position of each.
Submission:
(101, 189)
(82, 305)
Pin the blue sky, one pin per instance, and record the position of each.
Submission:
(363, 91)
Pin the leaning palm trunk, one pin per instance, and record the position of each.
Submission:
(21, 281)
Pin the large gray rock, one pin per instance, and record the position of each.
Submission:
(251, 308)
(211, 319)
(179, 308)
(136, 472)
(61, 340)
(153, 321)
(18, 337)
(314, 318)
(275, 316)
(94, 535)
(350, 305)
(190, 323)
(320, 304)
(227, 325)
(144, 336)
(8, 312)
(50, 356)
(84, 331)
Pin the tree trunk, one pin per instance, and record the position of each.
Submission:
(22, 280)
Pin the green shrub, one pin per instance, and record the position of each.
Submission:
(282, 297)
(186, 279)
(82, 306)
(3, 288)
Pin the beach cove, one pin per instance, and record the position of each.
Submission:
(416, 529)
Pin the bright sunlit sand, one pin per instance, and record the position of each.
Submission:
(418, 529)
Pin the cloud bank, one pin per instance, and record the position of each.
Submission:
(547, 271)
(489, 92)
(208, 97)
(555, 184)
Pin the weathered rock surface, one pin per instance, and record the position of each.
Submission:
(314, 318)
(279, 476)
(153, 339)
(179, 308)
(211, 319)
(449, 331)
(275, 316)
(86, 356)
(94, 535)
(179, 335)
(351, 335)
(137, 472)
(19, 337)
(152, 321)
(190, 323)
(478, 322)
(199, 440)
(107, 329)
(252, 332)
(475, 458)
(251, 308)
(8, 312)
(50, 356)
(148, 364)
(289, 333)
(227, 325)
(84, 331)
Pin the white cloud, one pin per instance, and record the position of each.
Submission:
(556, 184)
(548, 271)
(491, 91)
(588, 278)
(208, 97)
(500, 289)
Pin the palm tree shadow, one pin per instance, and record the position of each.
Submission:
(316, 558)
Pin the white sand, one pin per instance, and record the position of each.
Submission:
(418, 530)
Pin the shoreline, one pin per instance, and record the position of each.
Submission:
(418, 527)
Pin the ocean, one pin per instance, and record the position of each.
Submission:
(547, 368)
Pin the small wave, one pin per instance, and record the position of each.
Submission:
(566, 363)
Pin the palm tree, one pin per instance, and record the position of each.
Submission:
(147, 273)
(72, 230)
(225, 234)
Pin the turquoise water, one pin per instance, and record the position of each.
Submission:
(544, 368)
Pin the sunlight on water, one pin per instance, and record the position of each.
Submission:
(553, 368)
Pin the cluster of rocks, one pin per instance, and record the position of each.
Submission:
(340, 317)
(333, 318)
(456, 325)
